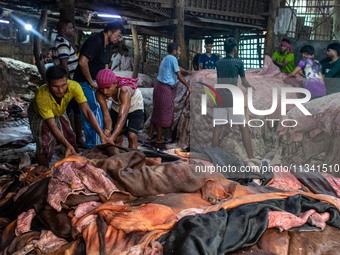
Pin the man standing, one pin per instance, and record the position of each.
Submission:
(95, 55)
(207, 60)
(63, 54)
(116, 57)
(228, 71)
(126, 62)
(331, 68)
(48, 121)
(165, 91)
(284, 57)
(126, 113)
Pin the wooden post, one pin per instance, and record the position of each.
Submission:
(180, 34)
(136, 51)
(144, 52)
(159, 51)
(37, 44)
(269, 45)
(67, 10)
(336, 20)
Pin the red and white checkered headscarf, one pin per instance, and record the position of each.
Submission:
(106, 78)
(286, 44)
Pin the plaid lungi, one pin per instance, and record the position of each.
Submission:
(42, 135)
(163, 104)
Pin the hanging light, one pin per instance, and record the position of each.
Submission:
(105, 15)
(28, 27)
(4, 21)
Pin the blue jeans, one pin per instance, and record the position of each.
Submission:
(91, 136)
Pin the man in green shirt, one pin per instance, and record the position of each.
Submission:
(331, 68)
(284, 57)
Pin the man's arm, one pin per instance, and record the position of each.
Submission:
(84, 67)
(85, 108)
(185, 71)
(115, 66)
(60, 137)
(333, 72)
(64, 63)
(245, 82)
(106, 113)
(200, 62)
(295, 72)
(281, 64)
(125, 99)
(288, 58)
(182, 80)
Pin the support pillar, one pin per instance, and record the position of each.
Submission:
(180, 34)
(269, 44)
(37, 48)
(136, 51)
(336, 20)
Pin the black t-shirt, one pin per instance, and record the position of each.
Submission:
(98, 56)
(332, 76)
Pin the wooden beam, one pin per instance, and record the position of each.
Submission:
(230, 23)
(132, 13)
(152, 9)
(153, 24)
(163, 3)
(220, 29)
(224, 13)
(153, 32)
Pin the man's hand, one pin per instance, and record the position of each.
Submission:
(107, 132)
(70, 151)
(94, 84)
(111, 140)
(104, 138)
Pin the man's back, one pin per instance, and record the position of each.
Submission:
(229, 69)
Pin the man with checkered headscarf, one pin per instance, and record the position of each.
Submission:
(126, 114)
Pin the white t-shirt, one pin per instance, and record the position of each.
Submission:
(126, 63)
(115, 59)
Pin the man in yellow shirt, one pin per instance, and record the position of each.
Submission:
(48, 121)
(284, 57)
